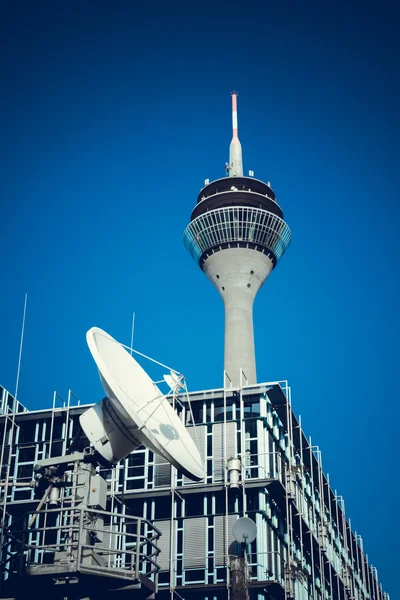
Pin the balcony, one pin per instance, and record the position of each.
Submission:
(237, 226)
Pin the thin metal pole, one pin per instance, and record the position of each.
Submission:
(20, 346)
(362, 560)
(321, 509)
(300, 501)
(226, 531)
(311, 520)
(243, 450)
(133, 329)
(147, 357)
(289, 515)
(11, 442)
(52, 422)
(171, 536)
(351, 553)
(368, 576)
(357, 548)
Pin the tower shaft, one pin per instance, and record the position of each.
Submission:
(238, 274)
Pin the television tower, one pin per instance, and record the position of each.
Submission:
(237, 235)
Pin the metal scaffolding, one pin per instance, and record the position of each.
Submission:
(305, 548)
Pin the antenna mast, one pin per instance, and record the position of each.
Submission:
(235, 149)
(20, 347)
(133, 330)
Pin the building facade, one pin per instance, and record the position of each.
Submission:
(304, 549)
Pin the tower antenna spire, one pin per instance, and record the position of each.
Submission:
(234, 115)
(235, 149)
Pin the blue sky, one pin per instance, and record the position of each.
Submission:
(113, 114)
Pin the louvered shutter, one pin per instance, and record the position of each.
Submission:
(194, 547)
(162, 472)
(222, 527)
(198, 435)
(219, 460)
(164, 544)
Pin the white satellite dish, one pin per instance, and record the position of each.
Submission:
(174, 382)
(244, 530)
(134, 412)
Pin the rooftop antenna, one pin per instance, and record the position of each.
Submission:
(20, 347)
(235, 149)
(133, 329)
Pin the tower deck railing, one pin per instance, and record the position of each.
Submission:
(237, 224)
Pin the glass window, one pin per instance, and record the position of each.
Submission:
(22, 495)
(197, 410)
(209, 445)
(163, 578)
(136, 459)
(10, 403)
(220, 507)
(252, 407)
(25, 472)
(251, 428)
(27, 431)
(210, 540)
(26, 454)
(134, 484)
(57, 448)
(219, 410)
(136, 471)
(162, 508)
(57, 428)
(235, 503)
(252, 501)
(195, 505)
(194, 575)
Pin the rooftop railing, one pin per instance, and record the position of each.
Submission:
(83, 540)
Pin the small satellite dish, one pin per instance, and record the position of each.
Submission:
(174, 381)
(244, 530)
(134, 411)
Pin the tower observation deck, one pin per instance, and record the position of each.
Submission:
(237, 235)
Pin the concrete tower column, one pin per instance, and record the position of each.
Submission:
(238, 274)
